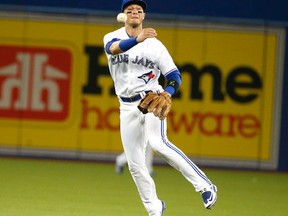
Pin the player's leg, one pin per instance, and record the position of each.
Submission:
(174, 156)
(133, 139)
(121, 161)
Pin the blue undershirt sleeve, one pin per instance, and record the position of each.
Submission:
(128, 43)
(173, 82)
(107, 47)
(124, 44)
(170, 90)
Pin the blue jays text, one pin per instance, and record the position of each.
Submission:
(124, 58)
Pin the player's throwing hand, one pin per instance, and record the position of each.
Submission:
(146, 33)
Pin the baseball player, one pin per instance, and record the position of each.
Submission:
(136, 59)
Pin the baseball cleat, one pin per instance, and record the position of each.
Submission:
(163, 207)
(209, 196)
(119, 169)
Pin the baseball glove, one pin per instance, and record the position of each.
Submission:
(158, 103)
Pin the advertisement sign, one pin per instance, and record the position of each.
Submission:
(57, 93)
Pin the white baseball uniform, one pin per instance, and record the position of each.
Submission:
(135, 72)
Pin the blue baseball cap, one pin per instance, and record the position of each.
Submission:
(126, 3)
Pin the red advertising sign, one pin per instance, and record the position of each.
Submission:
(35, 82)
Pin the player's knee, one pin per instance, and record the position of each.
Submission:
(135, 169)
(157, 145)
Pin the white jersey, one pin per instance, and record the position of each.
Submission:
(139, 68)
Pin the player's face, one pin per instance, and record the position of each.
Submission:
(135, 14)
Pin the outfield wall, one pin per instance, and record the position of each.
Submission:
(57, 98)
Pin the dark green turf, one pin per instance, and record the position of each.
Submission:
(63, 188)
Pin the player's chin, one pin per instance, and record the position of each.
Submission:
(135, 22)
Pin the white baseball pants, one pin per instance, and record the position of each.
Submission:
(136, 131)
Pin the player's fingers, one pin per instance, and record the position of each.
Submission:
(153, 32)
(150, 30)
(150, 33)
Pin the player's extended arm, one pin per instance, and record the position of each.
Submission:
(119, 46)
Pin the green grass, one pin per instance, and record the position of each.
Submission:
(63, 188)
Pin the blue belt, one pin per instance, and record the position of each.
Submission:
(134, 98)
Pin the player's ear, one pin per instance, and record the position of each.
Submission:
(144, 14)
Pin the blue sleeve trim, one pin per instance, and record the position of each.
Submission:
(174, 75)
(107, 47)
(173, 81)
(127, 44)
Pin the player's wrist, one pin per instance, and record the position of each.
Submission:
(170, 90)
(137, 39)
(166, 94)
